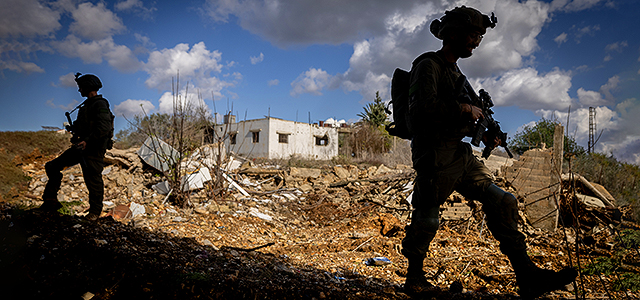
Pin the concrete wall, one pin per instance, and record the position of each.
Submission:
(301, 139)
(532, 177)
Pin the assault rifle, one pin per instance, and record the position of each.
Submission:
(487, 127)
(71, 128)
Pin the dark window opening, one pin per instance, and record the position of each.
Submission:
(255, 137)
(232, 138)
(322, 140)
(283, 138)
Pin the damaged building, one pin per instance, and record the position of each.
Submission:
(274, 138)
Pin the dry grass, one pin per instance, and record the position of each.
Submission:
(18, 147)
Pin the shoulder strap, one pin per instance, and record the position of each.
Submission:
(431, 55)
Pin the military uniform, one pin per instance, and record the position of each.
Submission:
(444, 163)
(94, 126)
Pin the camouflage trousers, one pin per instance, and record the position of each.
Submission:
(442, 170)
(91, 165)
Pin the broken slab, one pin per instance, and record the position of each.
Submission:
(304, 172)
(158, 154)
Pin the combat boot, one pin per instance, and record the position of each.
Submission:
(92, 216)
(534, 281)
(417, 283)
(49, 206)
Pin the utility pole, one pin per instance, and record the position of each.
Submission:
(592, 129)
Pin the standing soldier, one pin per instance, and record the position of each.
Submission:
(92, 136)
(438, 121)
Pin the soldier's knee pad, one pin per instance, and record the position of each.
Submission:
(500, 197)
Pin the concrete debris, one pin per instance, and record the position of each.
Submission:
(332, 217)
(158, 154)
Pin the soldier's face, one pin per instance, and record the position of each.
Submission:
(465, 43)
(83, 93)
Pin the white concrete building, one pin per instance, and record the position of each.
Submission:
(276, 138)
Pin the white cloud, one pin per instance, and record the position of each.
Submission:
(118, 56)
(288, 22)
(67, 107)
(312, 81)
(611, 85)
(607, 120)
(257, 59)
(95, 22)
(130, 108)
(587, 30)
(385, 35)
(196, 65)
(135, 6)
(617, 46)
(27, 18)
(68, 80)
(590, 98)
(20, 66)
(528, 89)
(273, 82)
(575, 5)
(188, 100)
(561, 38)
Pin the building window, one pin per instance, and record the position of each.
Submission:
(322, 140)
(232, 138)
(255, 137)
(283, 138)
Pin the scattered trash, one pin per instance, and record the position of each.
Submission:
(162, 188)
(136, 209)
(254, 212)
(378, 261)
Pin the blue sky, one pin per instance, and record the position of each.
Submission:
(292, 58)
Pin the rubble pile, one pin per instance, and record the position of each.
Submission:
(278, 232)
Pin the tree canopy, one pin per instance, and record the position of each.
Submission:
(533, 136)
(374, 113)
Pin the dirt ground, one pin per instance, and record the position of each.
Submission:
(301, 243)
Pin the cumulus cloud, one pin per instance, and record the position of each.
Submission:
(397, 32)
(135, 6)
(94, 52)
(27, 18)
(188, 100)
(196, 65)
(20, 66)
(607, 120)
(95, 22)
(67, 107)
(561, 38)
(290, 22)
(273, 82)
(528, 89)
(575, 5)
(257, 59)
(587, 30)
(312, 81)
(611, 85)
(590, 98)
(68, 80)
(130, 108)
(617, 46)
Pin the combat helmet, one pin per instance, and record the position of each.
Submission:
(462, 18)
(88, 82)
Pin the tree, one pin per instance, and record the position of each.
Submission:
(542, 132)
(374, 113)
